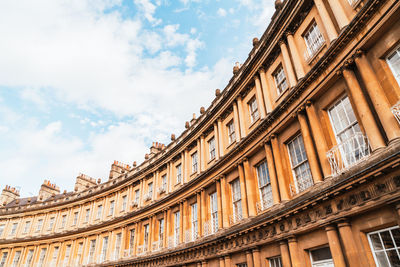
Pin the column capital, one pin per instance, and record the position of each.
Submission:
(261, 69)
(273, 136)
(282, 40)
(359, 53)
(292, 239)
(288, 32)
(348, 63)
(283, 242)
(255, 78)
(309, 103)
(330, 227)
(339, 72)
(248, 252)
(343, 222)
(255, 249)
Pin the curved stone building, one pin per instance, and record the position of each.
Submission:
(295, 163)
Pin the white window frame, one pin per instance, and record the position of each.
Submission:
(76, 217)
(42, 256)
(177, 226)
(314, 39)
(55, 255)
(280, 79)
(51, 223)
(253, 109)
(236, 198)
(29, 257)
(211, 148)
(194, 221)
(2, 227)
(87, 215)
(195, 162)
(267, 201)
(146, 235)
(320, 262)
(124, 202)
(112, 208)
(67, 255)
(63, 220)
(396, 75)
(164, 182)
(92, 249)
(231, 131)
(161, 225)
(3, 260)
(99, 212)
(214, 211)
(178, 173)
(17, 258)
(384, 250)
(39, 225)
(132, 233)
(14, 228)
(26, 227)
(275, 261)
(307, 180)
(104, 248)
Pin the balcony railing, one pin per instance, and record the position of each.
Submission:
(157, 245)
(315, 47)
(148, 196)
(114, 255)
(173, 241)
(134, 203)
(141, 250)
(264, 204)
(162, 189)
(128, 253)
(396, 111)
(235, 218)
(348, 153)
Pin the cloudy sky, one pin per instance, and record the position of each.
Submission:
(86, 82)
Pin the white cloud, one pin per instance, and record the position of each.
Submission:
(148, 10)
(221, 12)
(77, 55)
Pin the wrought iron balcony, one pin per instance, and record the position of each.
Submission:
(162, 189)
(396, 111)
(157, 245)
(235, 218)
(264, 204)
(141, 250)
(148, 196)
(348, 153)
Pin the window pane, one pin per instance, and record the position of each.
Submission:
(381, 258)
(396, 236)
(387, 240)
(321, 254)
(376, 242)
(393, 257)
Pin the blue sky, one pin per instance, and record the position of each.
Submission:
(86, 82)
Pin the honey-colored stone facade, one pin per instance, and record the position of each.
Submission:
(295, 163)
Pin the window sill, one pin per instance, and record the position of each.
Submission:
(211, 161)
(282, 94)
(355, 4)
(254, 122)
(231, 145)
(311, 58)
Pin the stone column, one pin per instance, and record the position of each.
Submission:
(219, 202)
(224, 202)
(227, 261)
(199, 224)
(242, 124)
(350, 248)
(334, 245)
(181, 222)
(202, 154)
(338, 11)
(266, 90)
(236, 121)
(288, 64)
(260, 97)
(220, 137)
(243, 191)
(251, 188)
(216, 140)
(203, 210)
(186, 167)
(294, 252)
(309, 147)
(256, 257)
(166, 225)
(297, 60)
(249, 258)
(199, 151)
(272, 173)
(378, 97)
(204, 263)
(319, 138)
(283, 186)
(285, 256)
(221, 262)
(326, 18)
(361, 106)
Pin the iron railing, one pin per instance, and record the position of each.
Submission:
(265, 203)
(235, 218)
(396, 111)
(348, 153)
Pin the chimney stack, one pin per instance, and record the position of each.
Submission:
(47, 190)
(118, 168)
(84, 181)
(8, 194)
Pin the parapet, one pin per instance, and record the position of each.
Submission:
(8, 194)
(47, 190)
